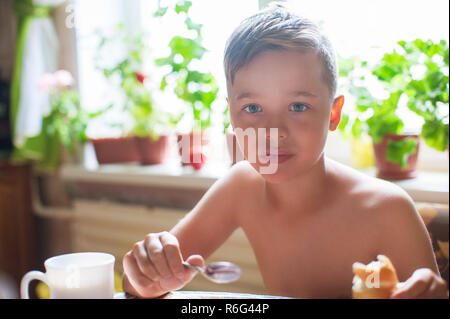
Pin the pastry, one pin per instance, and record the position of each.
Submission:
(376, 280)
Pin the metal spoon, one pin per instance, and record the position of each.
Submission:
(220, 272)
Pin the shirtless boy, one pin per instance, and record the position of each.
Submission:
(312, 218)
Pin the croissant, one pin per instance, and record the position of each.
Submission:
(376, 280)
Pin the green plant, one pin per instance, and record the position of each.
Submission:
(65, 124)
(399, 151)
(198, 89)
(128, 73)
(374, 116)
(395, 73)
(429, 93)
(67, 121)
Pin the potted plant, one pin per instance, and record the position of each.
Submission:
(198, 89)
(396, 151)
(146, 142)
(63, 127)
(62, 134)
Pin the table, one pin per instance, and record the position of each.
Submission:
(203, 295)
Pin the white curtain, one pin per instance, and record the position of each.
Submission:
(40, 56)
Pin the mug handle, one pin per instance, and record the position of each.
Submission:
(29, 276)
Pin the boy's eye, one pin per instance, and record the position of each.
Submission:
(298, 107)
(252, 108)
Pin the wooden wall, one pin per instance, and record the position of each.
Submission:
(7, 39)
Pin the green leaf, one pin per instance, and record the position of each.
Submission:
(364, 99)
(343, 123)
(163, 83)
(183, 6)
(391, 65)
(188, 48)
(399, 151)
(346, 66)
(357, 128)
(436, 134)
(427, 47)
(390, 104)
(196, 76)
(163, 61)
(446, 56)
(161, 11)
(193, 26)
(379, 126)
(100, 112)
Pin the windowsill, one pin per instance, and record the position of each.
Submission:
(426, 187)
(430, 187)
(169, 174)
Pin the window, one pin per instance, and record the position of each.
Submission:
(356, 28)
(369, 29)
(219, 19)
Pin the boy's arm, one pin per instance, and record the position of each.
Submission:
(405, 240)
(154, 265)
(214, 218)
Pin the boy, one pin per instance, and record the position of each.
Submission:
(312, 218)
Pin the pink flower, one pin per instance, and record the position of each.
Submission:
(63, 78)
(59, 80)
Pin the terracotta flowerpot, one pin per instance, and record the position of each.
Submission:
(393, 171)
(191, 148)
(234, 151)
(116, 150)
(152, 152)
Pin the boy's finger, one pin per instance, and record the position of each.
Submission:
(143, 261)
(156, 255)
(134, 275)
(195, 260)
(173, 254)
(414, 287)
(437, 289)
(128, 287)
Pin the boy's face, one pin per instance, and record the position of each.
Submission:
(284, 90)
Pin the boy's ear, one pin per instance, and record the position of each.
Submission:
(336, 112)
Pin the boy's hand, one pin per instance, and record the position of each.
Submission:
(423, 284)
(154, 266)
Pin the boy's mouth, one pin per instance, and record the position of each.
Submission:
(277, 153)
(279, 156)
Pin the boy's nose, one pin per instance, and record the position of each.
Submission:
(276, 132)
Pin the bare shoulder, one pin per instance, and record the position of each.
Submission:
(245, 185)
(387, 212)
(233, 188)
(242, 175)
(369, 193)
(245, 169)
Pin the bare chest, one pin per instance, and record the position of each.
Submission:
(309, 256)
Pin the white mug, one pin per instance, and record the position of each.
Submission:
(87, 275)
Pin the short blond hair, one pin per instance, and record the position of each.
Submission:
(276, 28)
